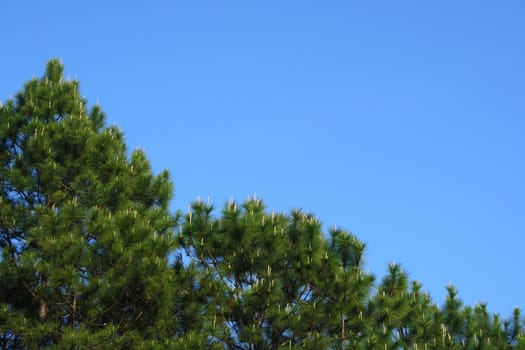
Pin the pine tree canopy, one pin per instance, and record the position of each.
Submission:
(92, 257)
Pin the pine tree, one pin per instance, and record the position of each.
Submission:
(85, 229)
(273, 280)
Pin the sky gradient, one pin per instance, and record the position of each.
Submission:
(402, 122)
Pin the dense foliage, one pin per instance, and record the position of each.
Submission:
(92, 258)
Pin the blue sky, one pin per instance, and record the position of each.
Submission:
(401, 121)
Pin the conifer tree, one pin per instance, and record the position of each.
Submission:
(84, 228)
(273, 280)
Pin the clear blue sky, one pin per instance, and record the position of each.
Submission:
(402, 121)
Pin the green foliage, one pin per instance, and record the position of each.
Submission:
(92, 258)
(85, 230)
(273, 280)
